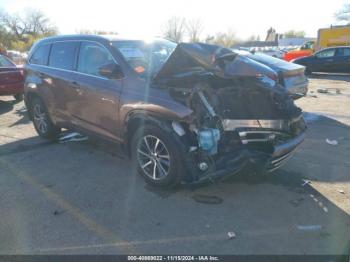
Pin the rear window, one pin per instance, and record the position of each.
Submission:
(40, 55)
(260, 57)
(63, 55)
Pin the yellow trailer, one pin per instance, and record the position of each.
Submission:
(333, 36)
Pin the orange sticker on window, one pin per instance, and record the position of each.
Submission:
(139, 69)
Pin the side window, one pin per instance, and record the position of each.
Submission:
(326, 53)
(91, 57)
(346, 52)
(343, 52)
(307, 45)
(63, 55)
(40, 55)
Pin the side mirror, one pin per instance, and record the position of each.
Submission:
(111, 71)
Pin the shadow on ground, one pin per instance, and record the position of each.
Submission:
(23, 117)
(6, 106)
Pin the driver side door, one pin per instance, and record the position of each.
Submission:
(97, 97)
(325, 60)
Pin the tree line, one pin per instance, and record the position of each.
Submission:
(19, 32)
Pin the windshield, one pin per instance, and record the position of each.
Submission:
(146, 58)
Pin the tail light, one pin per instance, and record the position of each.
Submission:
(270, 78)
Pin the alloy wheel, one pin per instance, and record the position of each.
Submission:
(153, 157)
(40, 118)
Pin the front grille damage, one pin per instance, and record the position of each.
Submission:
(241, 116)
(263, 144)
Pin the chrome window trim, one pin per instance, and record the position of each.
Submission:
(75, 71)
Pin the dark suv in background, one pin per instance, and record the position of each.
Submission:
(184, 112)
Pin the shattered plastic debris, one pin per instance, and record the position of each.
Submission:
(57, 212)
(306, 182)
(204, 199)
(327, 90)
(332, 142)
(322, 90)
(73, 137)
(231, 235)
(309, 227)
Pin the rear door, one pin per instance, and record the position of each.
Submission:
(97, 97)
(60, 77)
(324, 61)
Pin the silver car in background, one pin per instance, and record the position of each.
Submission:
(290, 75)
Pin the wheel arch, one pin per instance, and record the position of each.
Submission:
(28, 99)
(139, 118)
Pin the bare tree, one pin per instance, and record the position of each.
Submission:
(174, 29)
(344, 14)
(294, 33)
(95, 32)
(34, 23)
(194, 29)
(21, 31)
(227, 39)
(38, 24)
(13, 24)
(209, 39)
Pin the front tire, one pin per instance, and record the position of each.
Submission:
(42, 122)
(157, 156)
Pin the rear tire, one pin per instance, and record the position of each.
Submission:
(18, 97)
(42, 122)
(157, 156)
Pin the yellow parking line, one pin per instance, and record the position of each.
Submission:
(127, 248)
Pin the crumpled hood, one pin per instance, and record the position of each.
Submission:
(192, 58)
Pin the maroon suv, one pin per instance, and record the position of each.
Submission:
(185, 112)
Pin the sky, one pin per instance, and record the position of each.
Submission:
(147, 17)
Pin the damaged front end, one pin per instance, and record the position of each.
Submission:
(241, 116)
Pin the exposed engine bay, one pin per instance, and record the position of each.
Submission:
(241, 115)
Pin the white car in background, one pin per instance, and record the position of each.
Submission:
(271, 52)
